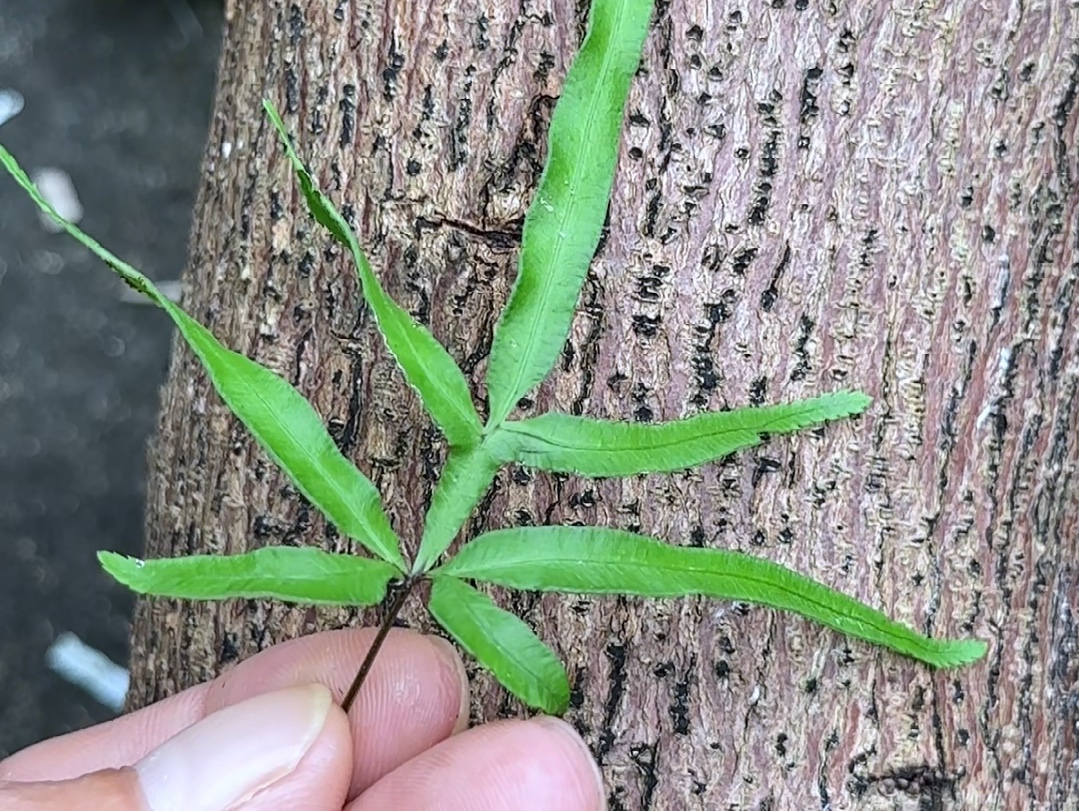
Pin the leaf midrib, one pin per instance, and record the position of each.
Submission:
(923, 642)
(368, 279)
(185, 322)
(529, 431)
(511, 653)
(332, 480)
(555, 255)
(468, 418)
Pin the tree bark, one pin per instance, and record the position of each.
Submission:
(810, 196)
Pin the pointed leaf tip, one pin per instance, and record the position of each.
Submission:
(595, 560)
(601, 448)
(565, 220)
(278, 416)
(427, 366)
(292, 574)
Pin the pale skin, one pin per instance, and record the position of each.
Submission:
(269, 735)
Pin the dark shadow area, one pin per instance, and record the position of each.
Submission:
(116, 95)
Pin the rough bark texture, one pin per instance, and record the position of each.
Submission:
(811, 195)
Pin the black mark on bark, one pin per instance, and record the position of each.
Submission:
(616, 687)
(347, 105)
(769, 164)
(395, 60)
(295, 25)
(806, 325)
(771, 293)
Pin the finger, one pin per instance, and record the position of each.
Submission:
(287, 749)
(109, 790)
(540, 764)
(414, 697)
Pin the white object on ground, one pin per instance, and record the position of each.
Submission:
(88, 668)
(55, 186)
(11, 104)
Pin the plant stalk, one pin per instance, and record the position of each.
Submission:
(383, 631)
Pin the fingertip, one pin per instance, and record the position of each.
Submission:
(105, 790)
(253, 749)
(333, 751)
(320, 781)
(581, 759)
(289, 749)
(458, 677)
(532, 765)
(412, 698)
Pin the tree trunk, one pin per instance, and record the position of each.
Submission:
(810, 196)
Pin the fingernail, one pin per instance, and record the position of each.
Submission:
(449, 655)
(558, 725)
(229, 756)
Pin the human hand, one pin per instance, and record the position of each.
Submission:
(268, 736)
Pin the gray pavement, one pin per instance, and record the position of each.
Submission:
(117, 95)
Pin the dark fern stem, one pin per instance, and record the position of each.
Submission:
(403, 591)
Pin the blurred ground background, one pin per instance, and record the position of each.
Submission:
(117, 95)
